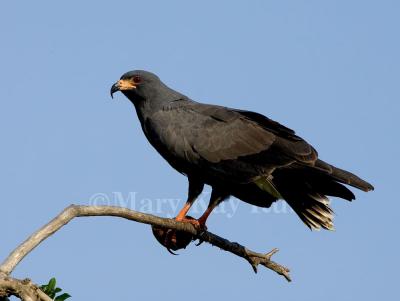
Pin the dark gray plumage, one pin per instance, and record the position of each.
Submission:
(239, 153)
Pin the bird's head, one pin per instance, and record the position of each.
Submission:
(138, 85)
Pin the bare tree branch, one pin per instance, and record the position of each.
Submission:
(22, 289)
(73, 211)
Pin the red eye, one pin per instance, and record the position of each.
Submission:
(137, 79)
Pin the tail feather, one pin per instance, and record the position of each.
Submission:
(343, 176)
(326, 186)
(307, 189)
(313, 209)
(346, 177)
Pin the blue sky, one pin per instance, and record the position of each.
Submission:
(329, 69)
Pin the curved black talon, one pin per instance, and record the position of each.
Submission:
(168, 238)
(199, 243)
(201, 240)
(169, 251)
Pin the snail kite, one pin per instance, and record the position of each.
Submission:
(238, 153)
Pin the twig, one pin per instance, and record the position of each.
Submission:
(73, 211)
(252, 257)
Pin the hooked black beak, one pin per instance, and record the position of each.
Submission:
(123, 85)
(114, 88)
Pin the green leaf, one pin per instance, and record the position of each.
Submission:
(51, 290)
(44, 289)
(52, 284)
(62, 297)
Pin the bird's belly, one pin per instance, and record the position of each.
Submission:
(229, 171)
(233, 172)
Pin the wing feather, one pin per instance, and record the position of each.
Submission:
(215, 134)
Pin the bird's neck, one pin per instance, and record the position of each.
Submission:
(156, 100)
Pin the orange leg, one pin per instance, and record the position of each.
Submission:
(195, 188)
(182, 214)
(175, 240)
(172, 239)
(203, 219)
(216, 198)
(181, 217)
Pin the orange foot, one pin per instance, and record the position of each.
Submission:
(197, 223)
(175, 240)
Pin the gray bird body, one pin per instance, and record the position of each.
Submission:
(239, 153)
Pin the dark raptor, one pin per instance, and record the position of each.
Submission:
(238, 153)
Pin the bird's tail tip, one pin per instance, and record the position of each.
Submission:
(351, 179)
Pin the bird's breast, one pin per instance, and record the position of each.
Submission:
(169, 141)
